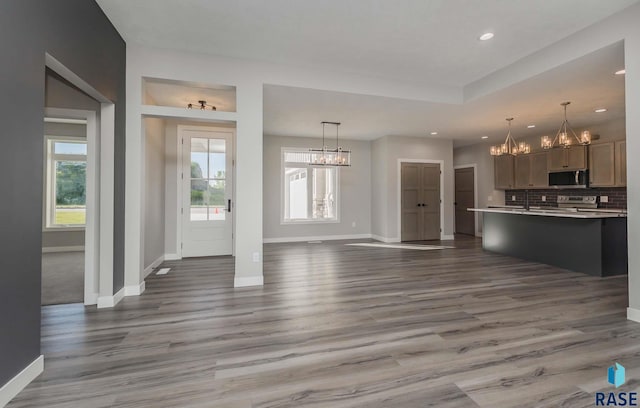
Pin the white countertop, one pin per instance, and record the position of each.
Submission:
(552, 212)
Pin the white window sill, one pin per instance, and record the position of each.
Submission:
(310, 222)
(63, 229)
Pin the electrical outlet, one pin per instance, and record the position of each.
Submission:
(604, 199)
(256, 257)
(513, 198)
(353, 224)
(544, 198)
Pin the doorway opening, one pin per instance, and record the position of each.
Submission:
(188, 186)
(420, 201)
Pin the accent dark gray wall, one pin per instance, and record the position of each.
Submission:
(76, 33)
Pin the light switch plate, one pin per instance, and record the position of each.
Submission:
(604, 199)
(256, 257)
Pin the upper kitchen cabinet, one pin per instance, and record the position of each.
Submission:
(608, 164)
(531, 171)
(504, 167)
(566, 159)
(602, 165)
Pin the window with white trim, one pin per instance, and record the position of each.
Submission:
(66, 179)
(310, 194)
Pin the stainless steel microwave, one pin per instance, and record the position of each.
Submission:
(569, 179)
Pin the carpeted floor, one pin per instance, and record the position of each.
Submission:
(62, 278)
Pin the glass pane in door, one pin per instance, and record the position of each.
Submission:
(217, 158)
(199, 158)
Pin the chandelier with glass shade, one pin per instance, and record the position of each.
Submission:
(510, 146)
(337, 157)
(565, 136)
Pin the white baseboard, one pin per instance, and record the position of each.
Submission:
(135, 290)
(91, 299)
(20, 381)
(633, 314)
(385, 239)
(172, 257)
(444, 237)
(315, 238)
(77, 248)
(110, 301)
(244, 281)
(153, 266)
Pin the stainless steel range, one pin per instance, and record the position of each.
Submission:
(576, 202)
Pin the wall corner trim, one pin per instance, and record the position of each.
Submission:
(110, 301)
(244, 281)
(135, 290)
(21, 380)
(633, 314)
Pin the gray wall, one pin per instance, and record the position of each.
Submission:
(379, 181)
(77, 34)
(399, 147)
(355, 191)
(154, 195)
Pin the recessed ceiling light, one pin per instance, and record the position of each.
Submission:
(485, 137)
(621, 72)
(600, 110)
(486, 36)
(434, 133)
(531, 126)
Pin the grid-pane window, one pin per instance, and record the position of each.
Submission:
(66, 176)
(310, 193)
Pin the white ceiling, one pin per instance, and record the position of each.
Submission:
(428, 41)
(588, 82)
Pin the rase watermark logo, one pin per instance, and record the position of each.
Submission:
(616, 377)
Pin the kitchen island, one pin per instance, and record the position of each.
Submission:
(591, 241)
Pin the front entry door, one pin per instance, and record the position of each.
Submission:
(420, 201)
(207, 223)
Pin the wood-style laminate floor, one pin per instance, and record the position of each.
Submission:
(345, 326)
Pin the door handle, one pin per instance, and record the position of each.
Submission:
(229, 205)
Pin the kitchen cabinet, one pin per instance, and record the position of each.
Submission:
(504, 168)
(531, 171)
(567, 159)
(608, 164)
(602, 165)
(621, 163)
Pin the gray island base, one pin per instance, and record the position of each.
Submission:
(588, 243)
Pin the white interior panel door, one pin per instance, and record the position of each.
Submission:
(207, 192)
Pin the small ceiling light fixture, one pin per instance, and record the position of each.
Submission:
(484, 137)
(600, 110)
(486, 36)
(510, 146)
(531, 126)
(563, 138)
(330, 157)
(202, 105)
(621, 72)
(434, 133)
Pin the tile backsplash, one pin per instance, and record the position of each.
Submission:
(617, 196)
